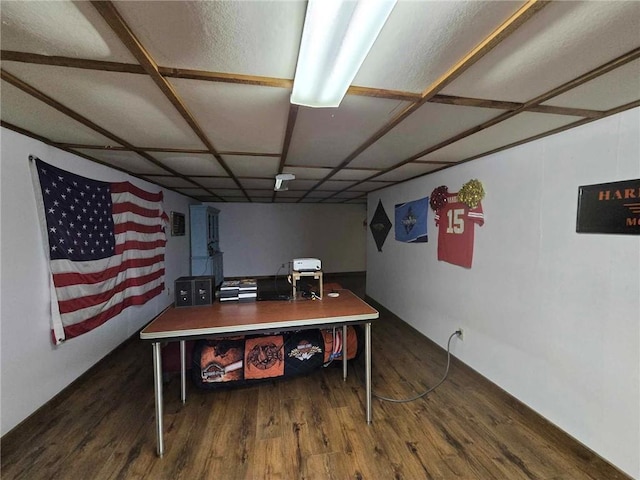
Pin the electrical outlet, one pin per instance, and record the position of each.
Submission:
(460, 333)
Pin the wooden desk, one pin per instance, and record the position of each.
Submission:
(180, 324)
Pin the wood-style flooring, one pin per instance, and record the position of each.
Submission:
(311, 427)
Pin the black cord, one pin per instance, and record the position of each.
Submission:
(275, 279)
(406, 400)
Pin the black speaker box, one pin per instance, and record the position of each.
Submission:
(203, 290)
(193, 291)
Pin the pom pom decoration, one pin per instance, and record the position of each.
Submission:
(471, 193)
(438, 198)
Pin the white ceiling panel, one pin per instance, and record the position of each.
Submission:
(190, 163)
(128, 105)
(125, 160)
(170, 182)
(325, 136)
(300, 184)
(371, 185)
(348, 194)
(562, 41)
(517, 128)
(22, 110)
(320, 194)
(254, 183)
(250, 38)
(233, 197)
(245, 118)
(193, 192)
(291, 194)
(260, 193)
(244, 165)
(216, 182)
(407, 171)
(334, 185)
(618, 87)
(352, 174)
(69, 29)
(308, 173)
(440, 33)
(429, 125)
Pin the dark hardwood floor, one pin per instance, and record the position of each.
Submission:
(311, 427)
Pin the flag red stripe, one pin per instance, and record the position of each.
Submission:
(137, 245)
(128, 207)
(124, 187)
(66, 279)
(97, 320)
(68, 306)
(136, 227)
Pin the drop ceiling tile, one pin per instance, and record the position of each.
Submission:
(320, 194)
(430, 125)
(193, 192)
(260, 193)
(324, 137)
(170, 182)
(24, 111)
(245, 165)
(334, 185)
(256, 183)
(234, 199)
(439, 35)
(216, 182)
(308, 173)
(125, 160)
(613, 89)
(371, 185)
(348, 194)
(250, 38)
(560, 42)
(290, 194)
(190, 163)
(519, 127)
(208, 198)
(407, 171)
(61, 28)
(229, 192)
(241, 118)
(129, 106)
(353, 174)
(300, 184)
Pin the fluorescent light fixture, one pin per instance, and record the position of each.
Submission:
(336, 39)
(281, 181)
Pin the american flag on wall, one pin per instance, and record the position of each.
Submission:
(106, 245)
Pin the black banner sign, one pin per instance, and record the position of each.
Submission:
(609, 208)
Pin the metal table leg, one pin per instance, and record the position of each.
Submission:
(157, 387)
(183, 373)
(367, 367)
(344, 353)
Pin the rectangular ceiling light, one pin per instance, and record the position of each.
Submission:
(336, 38)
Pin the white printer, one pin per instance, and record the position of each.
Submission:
(306, 264)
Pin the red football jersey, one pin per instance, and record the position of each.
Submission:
(455, 222)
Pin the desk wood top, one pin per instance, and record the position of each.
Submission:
(234, 317)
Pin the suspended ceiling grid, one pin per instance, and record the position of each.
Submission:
(194, 96)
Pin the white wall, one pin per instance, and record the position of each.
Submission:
(549, 315)
(257, 238)
(33, 370)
